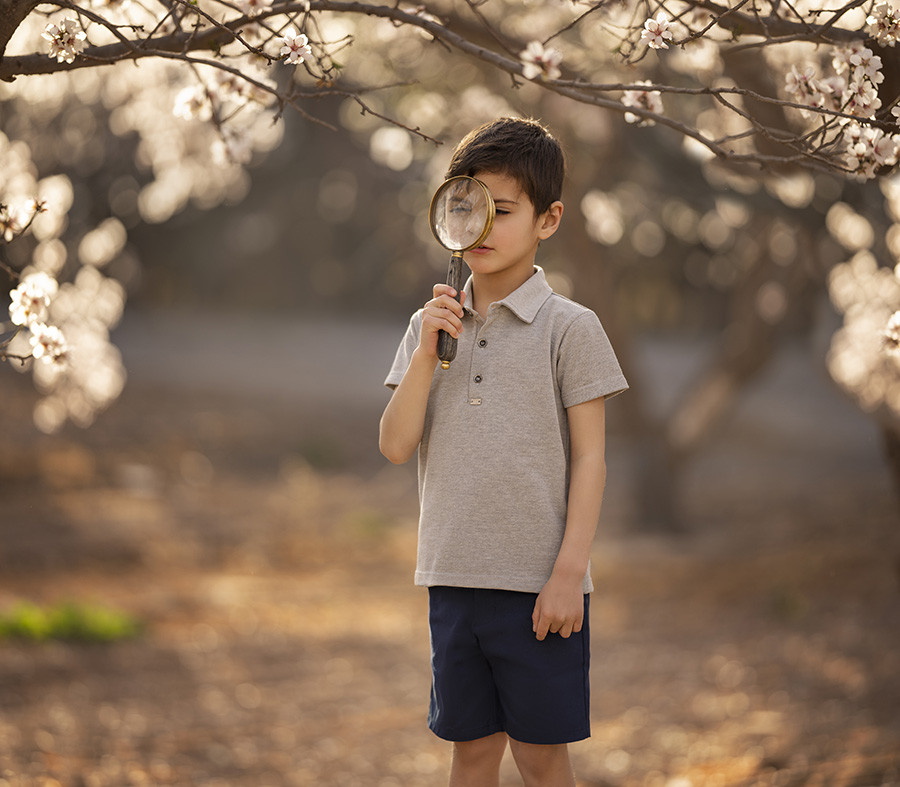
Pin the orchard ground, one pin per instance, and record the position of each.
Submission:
(233, 500)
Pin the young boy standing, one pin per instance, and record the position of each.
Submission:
(511, 442)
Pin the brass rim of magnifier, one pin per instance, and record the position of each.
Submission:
(491, 210)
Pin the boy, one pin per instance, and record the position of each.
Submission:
(511, 475)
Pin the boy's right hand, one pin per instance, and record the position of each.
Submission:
(442, 313)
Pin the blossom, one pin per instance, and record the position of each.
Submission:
(232, 147)
(651, 100)
(656, 31)
(833, 89)
(295, 47)
(31, 299)
(48, 343)
(861, 99)
(883, 24)
(895, 111)
(803, 87)
(193, 103)
(10, 223)
(540, 62)
(891, 334)
(869, 149)
(866, 65)
(66, 39)
(840, 60)
(254, 7)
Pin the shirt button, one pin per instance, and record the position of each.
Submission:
(477, 378)
(482, 343)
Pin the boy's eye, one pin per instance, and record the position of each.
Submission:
(501, 212)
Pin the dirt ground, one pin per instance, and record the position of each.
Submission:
(270, 556)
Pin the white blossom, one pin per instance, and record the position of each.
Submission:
(294, 47)
(650, 100)
(48, 343)
(832, 93)
(866, 65)
(656, 31)
(840, 59)
(66, 39)
(803, 87)
(883, 24)
(892, 334)
(31, 299)
(869, 149)
(10, 223)
(540, 62)
(193, 103)
(254, 7)
(861, 99)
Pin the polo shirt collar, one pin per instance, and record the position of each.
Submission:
(526, 301)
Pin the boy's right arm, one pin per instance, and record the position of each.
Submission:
(403, 420)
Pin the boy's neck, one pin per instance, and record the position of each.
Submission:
(488, 288)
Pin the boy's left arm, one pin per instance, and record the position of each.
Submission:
(560, 605)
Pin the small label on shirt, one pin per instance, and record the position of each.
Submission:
(474, 401)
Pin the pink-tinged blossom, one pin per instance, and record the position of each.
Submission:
(540, 62)
(656, 31)
(651, 100)
(883, 24)
(833, 89)
(840, 60)
(253, 8)
(294, 47)
(866, 64)
(31, 299)
(861, 99)
(869, 149)
(48, 343)
(66, 39)
(803, 87)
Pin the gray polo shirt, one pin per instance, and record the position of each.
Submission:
(494, 456)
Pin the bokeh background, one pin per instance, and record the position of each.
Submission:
(233, 505)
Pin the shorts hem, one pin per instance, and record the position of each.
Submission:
(555, 740)
(456, 736)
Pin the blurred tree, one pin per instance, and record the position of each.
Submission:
(710, 166)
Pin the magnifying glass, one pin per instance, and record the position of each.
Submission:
(461, 216)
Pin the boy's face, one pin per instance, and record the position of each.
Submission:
(513, 240)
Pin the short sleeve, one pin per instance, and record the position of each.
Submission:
(586, 366)
(405, 351)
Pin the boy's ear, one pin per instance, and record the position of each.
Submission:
(550, 220)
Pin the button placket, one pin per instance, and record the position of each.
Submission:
(477, 372)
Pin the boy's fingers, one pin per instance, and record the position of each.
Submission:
(442, 318)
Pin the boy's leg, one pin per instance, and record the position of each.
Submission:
(543, 766)
(477, 763)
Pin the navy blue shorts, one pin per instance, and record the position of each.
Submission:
(490, 673)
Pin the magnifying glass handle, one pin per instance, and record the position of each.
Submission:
(446, 343)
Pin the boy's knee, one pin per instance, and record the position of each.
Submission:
(543, 765)
(482, 751)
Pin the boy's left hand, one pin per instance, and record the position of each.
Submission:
(559, 609)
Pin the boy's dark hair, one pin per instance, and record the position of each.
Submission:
(523, 149)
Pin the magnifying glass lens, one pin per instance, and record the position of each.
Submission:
(460, 213)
